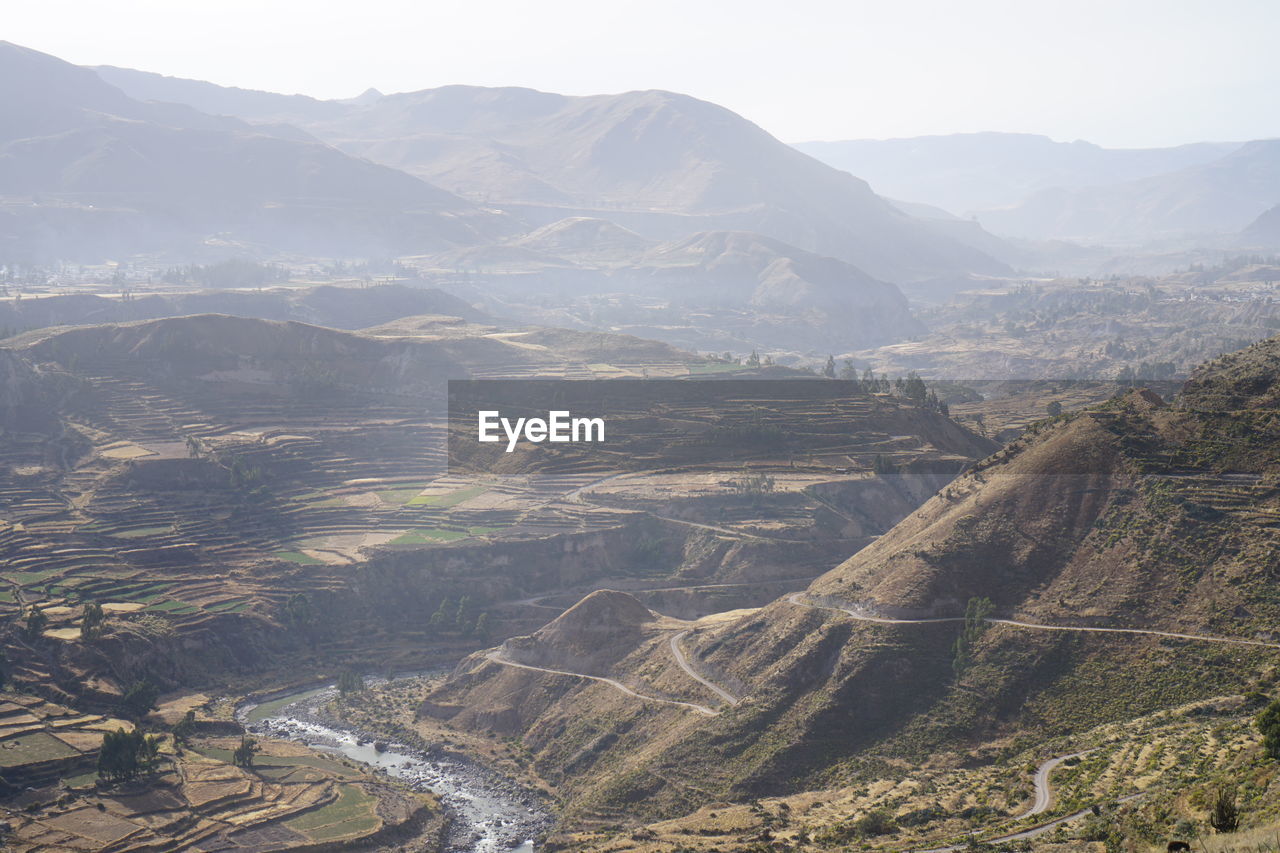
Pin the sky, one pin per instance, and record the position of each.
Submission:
(1121, 73)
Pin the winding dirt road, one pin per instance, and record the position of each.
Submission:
(496, 657)
(1044, 795)
(862, 616)
(683, 663)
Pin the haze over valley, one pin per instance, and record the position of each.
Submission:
(934, 504)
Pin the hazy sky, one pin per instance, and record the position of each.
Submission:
(1117, 72)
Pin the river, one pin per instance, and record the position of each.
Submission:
(490, 812)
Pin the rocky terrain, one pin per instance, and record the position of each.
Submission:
(1109, 564)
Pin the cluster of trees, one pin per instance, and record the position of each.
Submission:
(368, 269)
(349, 682)
(248, 480)
(126, 754)
(242, 755)
(460, 619)
(753, 485)
(35, 622)
(912, 387)
(140, 699)
(235, 272)
(1146, 371)
(93, 622)
(975, 625)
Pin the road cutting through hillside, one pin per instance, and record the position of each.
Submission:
(861, 616)
(684, 664)
(496, 657)
(1044, 794)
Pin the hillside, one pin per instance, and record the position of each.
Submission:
(710, 291)
(1264, 231)
(659, 163)
(88, 172)
(1156, 523)
(1221, 196)
(836, 301)
(964, 172)
(324, 305)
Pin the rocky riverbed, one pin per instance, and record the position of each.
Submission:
(489, 812)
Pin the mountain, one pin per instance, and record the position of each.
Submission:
(1263, 231)
(712, 290)
(1222, 196)
(88, 172)
(838, 302)
(218, 100)
(963, 172)
(659, 163)
(338, 307)
(1137, 516)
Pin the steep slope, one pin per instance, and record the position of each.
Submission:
(837, 302)
(962, 172)
(336, 307)
(216, 100)
(1128, 552)
(663, 164)
(1264, 231)
(1219, 197)
(88, 172)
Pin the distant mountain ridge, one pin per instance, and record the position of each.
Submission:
(661, 164)
(1221, 197)
(88, 172)
(965, 172)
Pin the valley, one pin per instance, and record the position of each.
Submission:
(929, 492)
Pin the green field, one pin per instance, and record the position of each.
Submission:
(350, 814)
(429, 535)
(298, 557)
(698, 367)
(139, 532)
(448, 500)
(399, 496)
(32, 748)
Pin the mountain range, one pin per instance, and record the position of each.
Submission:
(1022, 186)
(965, 172)
(659, 163)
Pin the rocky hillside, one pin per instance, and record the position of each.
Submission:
(95, 173)
(1159, 522)
(325, 305)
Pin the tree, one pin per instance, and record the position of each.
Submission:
(242, 756)
(753, 360)
(349, 681)
(1269, 724)
(1054, 408)
(883, 465)
(92, 621)
(463, 617)
(482, 627)
(829, 370)
(184, 728)
(140, 699)
(298, 610)
(848, 372)
(442, 619)
(915, 390)
(124, 755)
(975, 624)
(36, 622)
(1225, 816)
